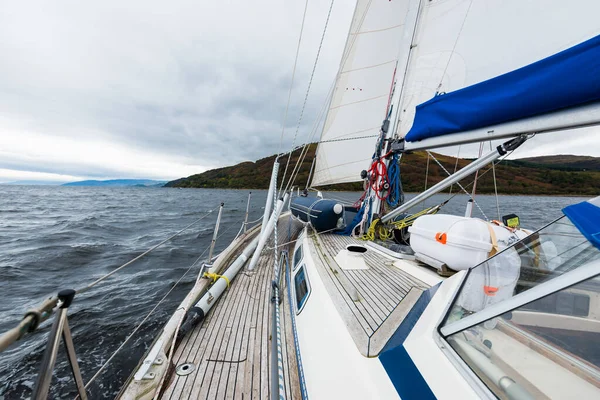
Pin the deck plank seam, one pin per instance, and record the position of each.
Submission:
(343, 294)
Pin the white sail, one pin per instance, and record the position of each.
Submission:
(362, 90)
(459, 43)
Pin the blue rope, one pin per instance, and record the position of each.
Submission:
(396, 196)
(357, 218)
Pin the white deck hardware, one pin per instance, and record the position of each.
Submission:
(142, 372)
(432, 262)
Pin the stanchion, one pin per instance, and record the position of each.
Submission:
(60, 327)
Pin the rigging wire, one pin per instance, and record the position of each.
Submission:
(455, 167)
(307, 92)
(454, 46)
(329, 96)
(306, 148)
(495, 187)
(312, 166)
(311, 134)
(484, 172)
(137, 328)
(97, 281)
(459, 185)
(287, 106)
(426, 177)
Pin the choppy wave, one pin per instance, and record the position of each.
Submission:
(53, 238)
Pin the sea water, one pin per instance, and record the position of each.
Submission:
(54, 238)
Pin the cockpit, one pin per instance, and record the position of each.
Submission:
(527, 321)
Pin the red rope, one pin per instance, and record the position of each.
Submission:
(378, 173)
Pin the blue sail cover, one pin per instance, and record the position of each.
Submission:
(566, 79)
(586, 217)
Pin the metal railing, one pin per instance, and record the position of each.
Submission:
(60, 327)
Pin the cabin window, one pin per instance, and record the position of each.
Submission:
(298, 257)
(547, 345)
(301, 288)
(562, 303)
(549, 348)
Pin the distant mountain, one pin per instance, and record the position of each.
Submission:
(119, 183)
(31, 182)
(553, 175)
(564, 162)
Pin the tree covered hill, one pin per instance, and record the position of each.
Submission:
(552, 175)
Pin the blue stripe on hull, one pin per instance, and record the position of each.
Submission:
(396, 361)
(564, 80)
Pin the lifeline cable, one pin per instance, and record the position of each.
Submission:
(459, 185)
(97, 281)
(34, 317)
(128, 338)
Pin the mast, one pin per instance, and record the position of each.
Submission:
(404, 58)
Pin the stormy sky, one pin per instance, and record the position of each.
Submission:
(165, 89)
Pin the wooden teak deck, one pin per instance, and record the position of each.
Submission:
(372, 301)
(231, 349)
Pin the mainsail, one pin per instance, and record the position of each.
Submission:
(362, 90)
(504, 49)
(478, 64)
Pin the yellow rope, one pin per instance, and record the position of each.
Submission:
(385, 232)
(370, 233)
(215, 277)
(408, 221)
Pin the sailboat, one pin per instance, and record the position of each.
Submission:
(319, 302)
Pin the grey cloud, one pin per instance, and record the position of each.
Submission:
(204, 83)
(200, 83)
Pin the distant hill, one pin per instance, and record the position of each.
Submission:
(118, 183)
(563, 162)
(32, 182)
(553, 175)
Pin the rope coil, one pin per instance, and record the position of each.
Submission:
(384, 232)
